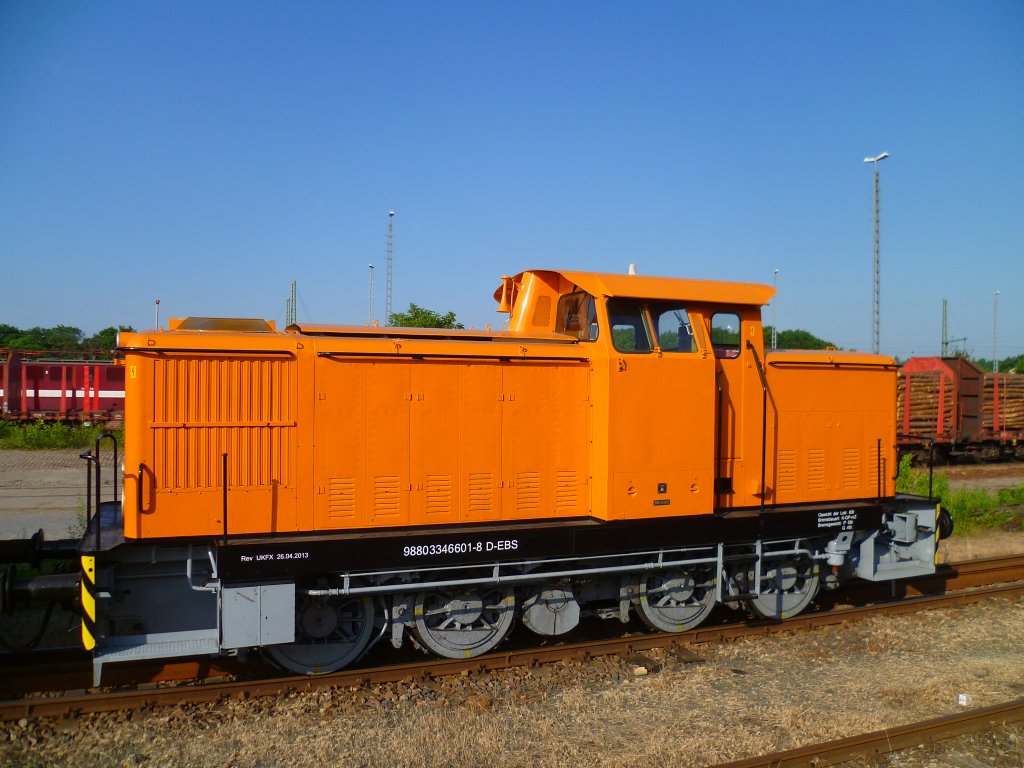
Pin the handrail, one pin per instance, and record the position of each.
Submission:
(93, 455)
(718, 444)
(457, 356)
(830, 364)
(207, 351)
(764, 420)
(87, 455)
(224, 469)
(138, 488)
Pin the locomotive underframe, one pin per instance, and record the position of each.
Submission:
(316, 604)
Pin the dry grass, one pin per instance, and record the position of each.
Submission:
(981, 544)
(746, 698)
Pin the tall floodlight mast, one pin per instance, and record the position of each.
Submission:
(775, 297)
(391, 253)
(875, 294)
(371, 294)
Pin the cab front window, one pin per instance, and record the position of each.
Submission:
(629, 325)
(577, 316)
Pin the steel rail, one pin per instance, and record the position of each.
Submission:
(888, 740)
(202, 692)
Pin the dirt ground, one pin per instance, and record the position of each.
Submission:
(991, 476)
(46, 489)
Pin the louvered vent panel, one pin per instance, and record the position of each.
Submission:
(341, 499)
(481, 493)
(528, 491)
(439, 494)
(851, 468)
(873, 470)
(565, 490)
(386, 497)
(787, 470)
(816, 469)
(206, 407)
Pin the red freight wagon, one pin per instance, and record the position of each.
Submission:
(960, 411)
(79, 390)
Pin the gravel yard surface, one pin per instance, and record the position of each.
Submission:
(45, 489)
(681, 709)
(991, 476)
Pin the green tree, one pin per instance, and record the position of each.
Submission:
(8, 333)
(795, 339)
(105, 340)
(1006, 364)
(58, 338)
(421, 317)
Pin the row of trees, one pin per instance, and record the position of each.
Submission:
(1006, 364)
(60, 338)
(795, 339)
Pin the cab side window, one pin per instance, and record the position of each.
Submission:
(629, 328)
(577, 316)
(675, 334)
(725, 334)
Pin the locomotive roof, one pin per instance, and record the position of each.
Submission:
(644, 287)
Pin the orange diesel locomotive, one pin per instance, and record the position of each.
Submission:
(626, 446)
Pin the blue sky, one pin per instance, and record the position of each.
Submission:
(207, 154)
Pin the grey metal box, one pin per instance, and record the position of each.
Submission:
(257, 615)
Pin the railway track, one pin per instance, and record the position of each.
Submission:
(959, 583)
(888, 740)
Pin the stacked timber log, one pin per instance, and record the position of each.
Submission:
(927, 389)
(1011, 402)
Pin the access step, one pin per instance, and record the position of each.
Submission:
(196, 642)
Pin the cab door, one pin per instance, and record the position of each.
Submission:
(661, 412)
(736, 340)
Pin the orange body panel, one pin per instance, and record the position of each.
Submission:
(328, 428)
(836, 425)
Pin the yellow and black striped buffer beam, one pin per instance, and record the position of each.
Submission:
(88, 602)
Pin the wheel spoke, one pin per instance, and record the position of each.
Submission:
(787, 588)
(472, 623)
(673, 601)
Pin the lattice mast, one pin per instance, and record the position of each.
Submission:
(945, 329)
(876, 292)
(947, 343)
(289, 307)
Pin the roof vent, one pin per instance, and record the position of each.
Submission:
(243, 324)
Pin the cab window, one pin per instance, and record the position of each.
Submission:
(672, 323)
(725, 334)
(629, 327)
(577, 316)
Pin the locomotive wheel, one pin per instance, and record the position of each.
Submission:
(330, 633)
(788, 585)
(675, 601)
(461, 625)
